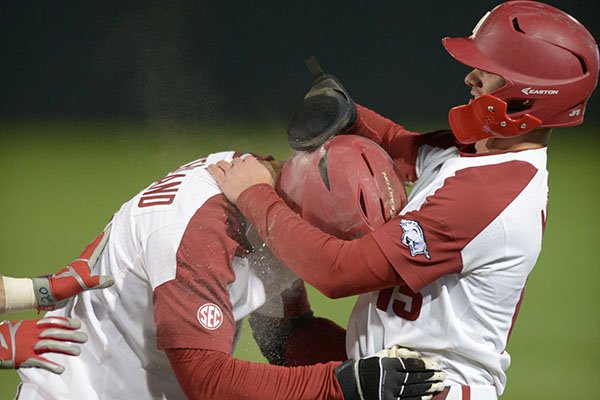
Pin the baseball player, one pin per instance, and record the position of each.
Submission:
(23, 343)
(447, 275)
(187, 270)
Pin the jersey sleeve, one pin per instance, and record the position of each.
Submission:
(193, 309)
(427, 243)
(401, 144)
(204, 374)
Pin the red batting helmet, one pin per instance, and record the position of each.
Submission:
(346, 187)
(549, 62)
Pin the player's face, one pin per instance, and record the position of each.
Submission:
(482, 82)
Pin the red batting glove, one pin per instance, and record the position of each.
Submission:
(23, 342)
(55, 290)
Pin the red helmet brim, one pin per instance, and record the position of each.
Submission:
(465, 51)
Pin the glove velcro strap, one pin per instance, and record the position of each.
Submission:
(8, 347)
(7, 364)
(43, 292)
(347, 380)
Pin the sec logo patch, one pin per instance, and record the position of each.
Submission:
(210, 316)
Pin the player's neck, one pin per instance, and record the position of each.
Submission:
(533, 140)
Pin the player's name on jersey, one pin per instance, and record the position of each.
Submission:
(163, 191)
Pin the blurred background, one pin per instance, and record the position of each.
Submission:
(100, 98)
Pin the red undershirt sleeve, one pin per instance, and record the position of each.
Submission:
(315, 340)
(206, 374)
(296, 337)
(312, 339)
(401, 144)
(335, 267)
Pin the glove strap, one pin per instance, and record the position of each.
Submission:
(314, 67)
(347, 380)
(8, 348)
(43, 291)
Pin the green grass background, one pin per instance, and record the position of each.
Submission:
(62, 180)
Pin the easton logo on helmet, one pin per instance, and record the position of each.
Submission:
(529, 90)
(391, 194)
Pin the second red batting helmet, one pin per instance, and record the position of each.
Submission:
(549, 62)
(347, 187)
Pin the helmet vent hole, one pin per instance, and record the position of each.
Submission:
(323, 172)
(582, 62)
(382, 208)
(367, 163)
(516, 25)
(363, 205)
(517, 105)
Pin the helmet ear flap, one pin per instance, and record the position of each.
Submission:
(487, 116)
(515, 105)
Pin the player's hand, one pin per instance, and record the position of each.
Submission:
(326, 110)
(390, 374)
(238, 175)
(55, 290)
(22, 343)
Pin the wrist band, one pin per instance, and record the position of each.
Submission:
(18, 294)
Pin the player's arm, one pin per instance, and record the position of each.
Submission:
(24, 343)
(206, 374)
(345, 268)
(288, 333)
(416, 247)
(53, 291)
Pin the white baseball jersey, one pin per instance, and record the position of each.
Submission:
(464, 244)
(183, 279)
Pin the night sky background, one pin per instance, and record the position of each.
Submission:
(205, 61)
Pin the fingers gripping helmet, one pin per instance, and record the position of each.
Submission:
(549, 62)
(347, 187)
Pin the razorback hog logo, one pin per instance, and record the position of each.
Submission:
(413, 237)
(210, 316)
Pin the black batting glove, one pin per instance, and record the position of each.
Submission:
(325, 111)
(390, 374)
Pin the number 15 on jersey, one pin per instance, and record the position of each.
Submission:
(401, 301)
